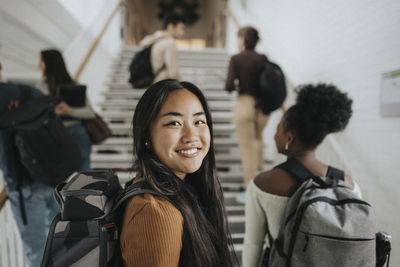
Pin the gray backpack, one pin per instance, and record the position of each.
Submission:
(325, 224)
(86, 231)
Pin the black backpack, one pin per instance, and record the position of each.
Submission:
(86, 232)
(271, 91)
(141, 71)
(44, 147)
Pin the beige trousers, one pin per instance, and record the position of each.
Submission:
(249, 123)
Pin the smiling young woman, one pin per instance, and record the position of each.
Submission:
(174, 151)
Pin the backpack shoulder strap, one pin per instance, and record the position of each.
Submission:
(155, 41)
(264, 57)
(296, 168)
(335, 173)
(139, 187)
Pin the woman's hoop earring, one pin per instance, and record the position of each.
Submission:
(147, 144)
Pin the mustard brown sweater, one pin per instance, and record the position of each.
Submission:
(152, 232)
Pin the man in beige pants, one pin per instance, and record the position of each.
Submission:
(249, 124)
(249, 120)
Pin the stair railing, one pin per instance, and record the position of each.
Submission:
(3, 197)
(96, 42)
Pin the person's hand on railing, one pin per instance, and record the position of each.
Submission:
(3, 197)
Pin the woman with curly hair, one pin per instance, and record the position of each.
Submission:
(319, 110)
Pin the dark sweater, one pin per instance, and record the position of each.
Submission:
(243, 67)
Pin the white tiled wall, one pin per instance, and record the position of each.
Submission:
(348, 43)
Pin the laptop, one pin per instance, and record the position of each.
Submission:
(73, 94)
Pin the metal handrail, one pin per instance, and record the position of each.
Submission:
(96, 42)
(232, 16)
(3, 197)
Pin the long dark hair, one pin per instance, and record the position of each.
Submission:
(207, 239)
(56, 72)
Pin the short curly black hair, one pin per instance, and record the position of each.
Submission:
(320, 109)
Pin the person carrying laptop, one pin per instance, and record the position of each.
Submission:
(74, 105)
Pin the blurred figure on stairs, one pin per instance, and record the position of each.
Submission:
(164, 56)
(55, 75)
(249, 120)
(31, 202)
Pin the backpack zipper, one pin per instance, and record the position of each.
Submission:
(337, 237)
(310, 189)
(307, 238)
(82, 192)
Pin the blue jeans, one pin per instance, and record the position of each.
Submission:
(40, 208)
(40, 205)
(80, 135)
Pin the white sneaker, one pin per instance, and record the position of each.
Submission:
(241, 198)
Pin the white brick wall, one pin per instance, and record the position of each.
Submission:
(348, 43)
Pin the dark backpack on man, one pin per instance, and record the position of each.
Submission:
(271, 91)
(325, 224)
(141, 70)
(86, 232)
(44, 147)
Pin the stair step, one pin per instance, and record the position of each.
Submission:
(219, 116)
(124, 128)
(127, 158)
(183, 54)
(124, 141)
(137, 93)
(222, 167)
(222, 59)
(215, 76)
(227, 177)
(130, 104)
(204, 87)
(216, 67)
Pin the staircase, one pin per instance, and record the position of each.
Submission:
(206, 69)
